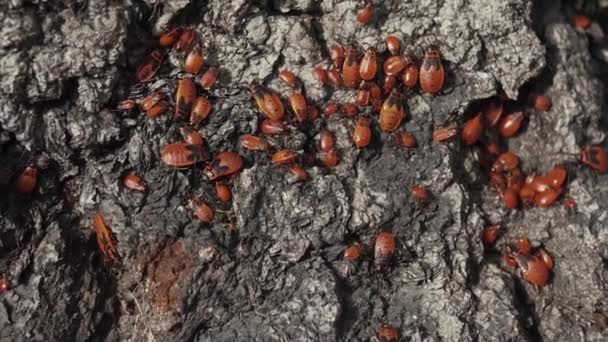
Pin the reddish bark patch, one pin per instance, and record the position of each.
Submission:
(165, 274)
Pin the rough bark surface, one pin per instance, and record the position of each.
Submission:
(270, 266)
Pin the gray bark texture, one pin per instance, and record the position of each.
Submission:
(270, 266)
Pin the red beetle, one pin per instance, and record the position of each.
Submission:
(471, 132)
(154, 104)
(569, 202)
(492, 148)
(297, 101)
(253, 143)
(509, 198)
(194, 60)
(349, 109)
(595, 157)
(547, 259)
(432, 74)
(492, 111)
(387, 334)
(268, 102)
(182, 155)
(207, 80)
(420, 192)
(368, 67)
(184, 97)
(284, 156)
(389, 83)
(313, 113)
(527, 193)
(366, 13)
(298, 173)
(353, 252)
(133, 182)
(334, 77)
(534, 268)
(320, 75)
(490, 234)
(510, 124)
(150, 101)
(524, 246)
(392, 112)
(444, 133)
(557, 176)
(330, 109)
(106, 241)
(271, 127)
(158, 109)
(538, 183)
(375, 92)
(185, 40)
(393, 44)
(168, 38)
(384, 248)
(541, 103)
(201, 210)
(498, 181)
(148, 68)
(362, 94)
(289, 78)
(362, 134)
(350, 69)
(190, 136)
(126, 105)
(581, 21)
(223, 192)
(336, 52)
(406, 139)
(327, 141)
(26, 181)
(394, 65)
(330, 159)
(223, 164)
(200, 110)
(507, 161)
(4, 285)
(410, 71)
(546, 198)
(515, 180)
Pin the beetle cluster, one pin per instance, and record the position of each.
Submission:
(504, 167)
(484, 127)
(513, 187)
(379, 82)
(535, 265)
(384, 250)
(189, 106)
(197, 108)
(374, 86)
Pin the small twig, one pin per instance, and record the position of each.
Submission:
(146, 328)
